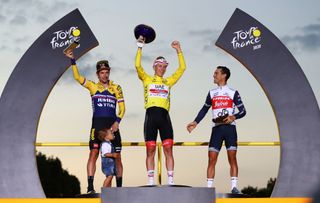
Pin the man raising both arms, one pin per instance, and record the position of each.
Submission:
(157, 105)
(223, 101)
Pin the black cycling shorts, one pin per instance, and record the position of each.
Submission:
(157, 119)
(226, 133)
(99, 123)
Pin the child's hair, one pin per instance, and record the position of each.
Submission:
(102, 133)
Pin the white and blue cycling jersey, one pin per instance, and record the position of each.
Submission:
(222, 100)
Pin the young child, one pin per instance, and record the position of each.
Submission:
(108, 155)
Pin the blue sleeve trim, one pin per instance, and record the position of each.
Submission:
(204, 109)
(238, 102)
(73, 61)
(118, 119)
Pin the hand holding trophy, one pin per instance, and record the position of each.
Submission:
(144, 34)
(75, 43)
(221, 116)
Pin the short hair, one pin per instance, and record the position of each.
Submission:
(102, 65)
(102, 133)
(160, 57)
(225, 70)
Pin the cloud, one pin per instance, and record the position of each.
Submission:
(44, 10)
(2, 18)
(20, 40)
(19, 16)
(123, 71)
(206, 38)
(201, 33)
(42, 19)
(4, 48)
(18, 20)
(209, 47)
(87, 68)
(309, 39)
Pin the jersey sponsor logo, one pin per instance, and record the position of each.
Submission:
(105, 101)
(158, 91)
(95, 146)
(220, 102)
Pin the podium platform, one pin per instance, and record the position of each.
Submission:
(158, 194)
(93, 195)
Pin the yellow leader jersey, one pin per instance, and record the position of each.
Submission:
(157, 89)
(104, 100)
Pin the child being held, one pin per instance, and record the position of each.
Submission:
(108, 155)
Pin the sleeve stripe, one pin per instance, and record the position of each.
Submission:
(84, 82)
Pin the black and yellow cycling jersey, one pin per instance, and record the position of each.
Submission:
(157, 89)
(104, 100)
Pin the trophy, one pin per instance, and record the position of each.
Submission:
(71, 46)
(221, 116)
(75, 43)
(144, 33)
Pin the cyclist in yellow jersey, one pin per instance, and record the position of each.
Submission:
(157, 105)
(105, 95)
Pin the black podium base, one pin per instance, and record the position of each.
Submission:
(94, 195)
(158, 194)
(230, 195)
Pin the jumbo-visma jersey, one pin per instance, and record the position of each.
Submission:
(157, 89)
(104, 100)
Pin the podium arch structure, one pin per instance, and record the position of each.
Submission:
(25, 95)
(291, 97)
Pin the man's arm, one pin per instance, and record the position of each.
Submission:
(141, 73)
(239, 104)
(75, 70)
(122, 108)
(182, 65)
(203, 111)
(241, 109)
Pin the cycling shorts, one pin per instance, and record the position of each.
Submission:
(226, 133)
(99, 123)
(157, 119)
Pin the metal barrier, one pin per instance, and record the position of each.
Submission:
(159, 148)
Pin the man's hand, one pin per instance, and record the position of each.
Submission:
(176, 46)
(115, 127)
(191, 126)
(69, 54)
(141, 41)
(115, 155)
(229, 119)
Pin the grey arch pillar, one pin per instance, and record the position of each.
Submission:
(22, 101)
(291, 97)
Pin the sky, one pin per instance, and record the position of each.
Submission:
(66, 116)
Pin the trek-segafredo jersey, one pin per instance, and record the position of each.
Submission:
(222, 100)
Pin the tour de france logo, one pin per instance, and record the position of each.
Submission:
(62, 38)
(246, 38)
